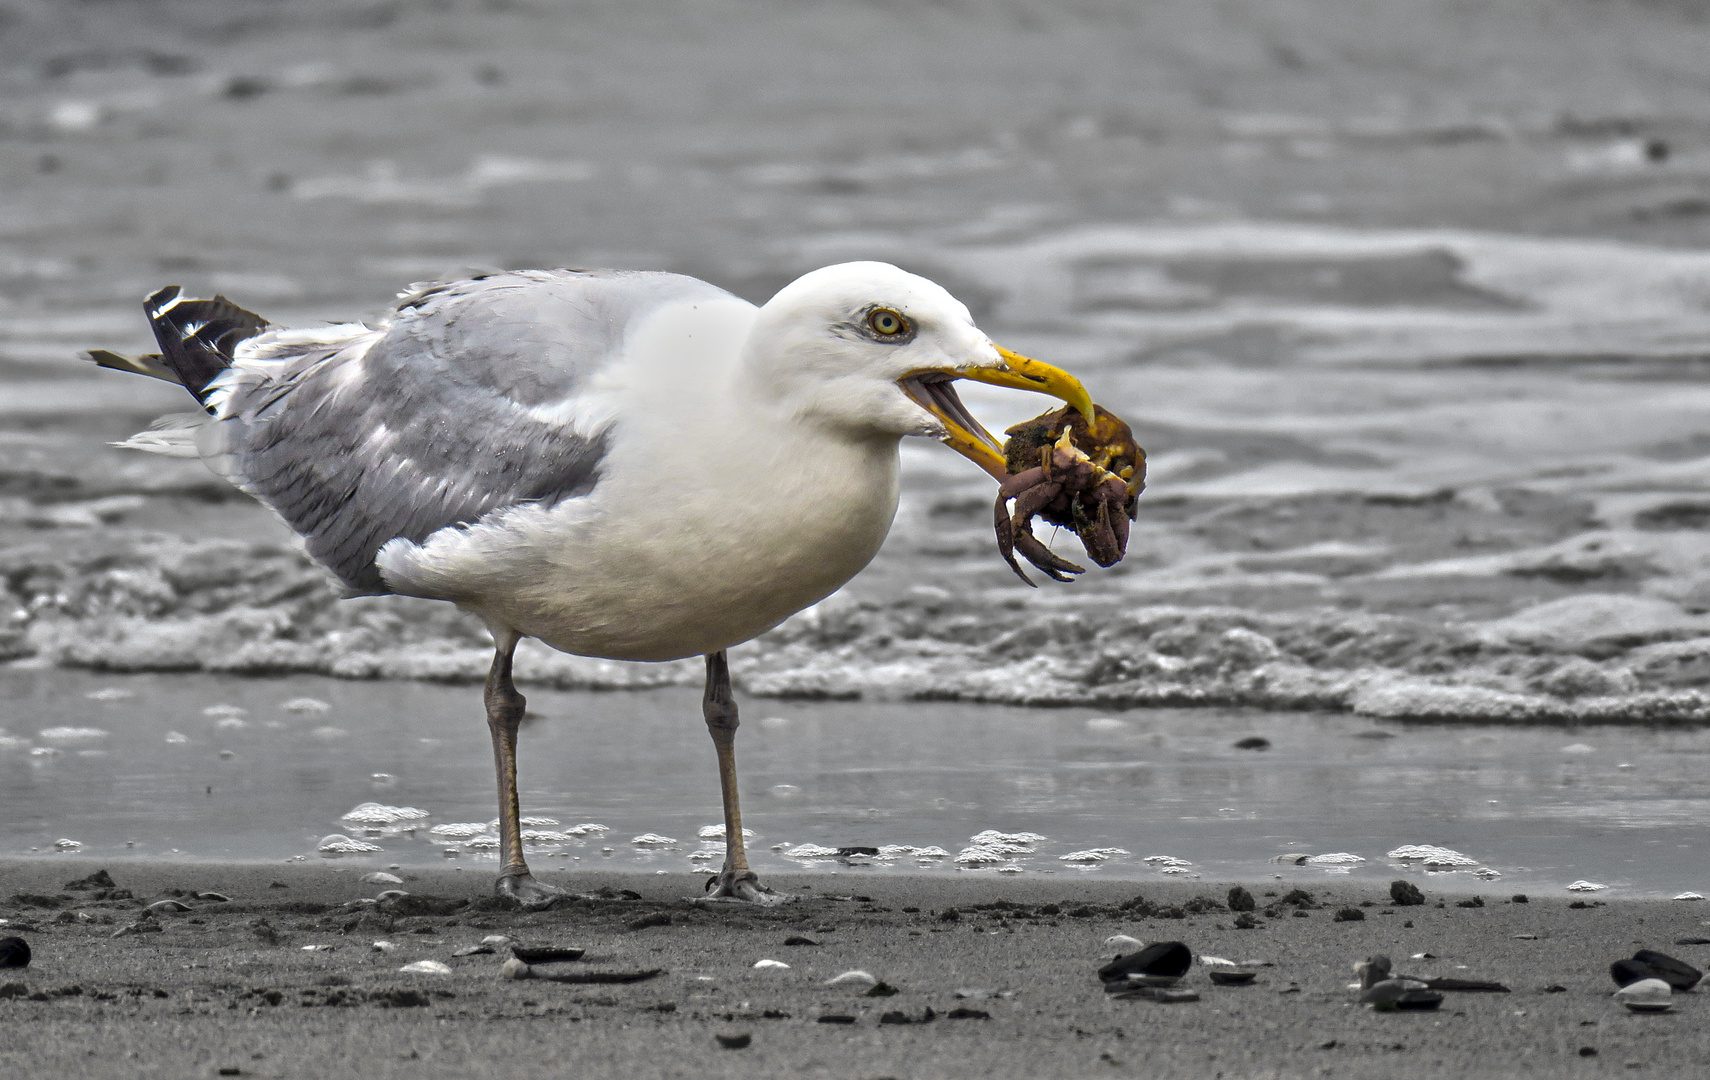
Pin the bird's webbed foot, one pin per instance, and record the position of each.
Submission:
(740, 887)
(527, 892)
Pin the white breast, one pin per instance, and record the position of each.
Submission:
(715, 517)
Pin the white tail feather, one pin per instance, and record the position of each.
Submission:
(173, 435)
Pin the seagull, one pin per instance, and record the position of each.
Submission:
(630, 465)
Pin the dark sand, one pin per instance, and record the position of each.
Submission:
(193, 1000)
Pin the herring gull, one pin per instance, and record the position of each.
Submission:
(619, 464)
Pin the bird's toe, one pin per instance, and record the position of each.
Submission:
(527, 892)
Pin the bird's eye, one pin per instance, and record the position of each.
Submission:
(887, 323)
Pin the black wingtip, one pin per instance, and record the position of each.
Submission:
(198, 338)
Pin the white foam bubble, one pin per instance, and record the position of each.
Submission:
(305, 705)
(72, 734)
(810, 851)
(458, 830)
(1431, 855)
(373, 813)
(652, 840)
(340, 844)
(1586, 886)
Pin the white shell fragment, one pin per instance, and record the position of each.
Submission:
(852, 978)
(426, 967)
(340, 844)
(1431, 855)
(1586, 886)
(1124, 942)
(1646, 995)
(380, 878)
(770, 965)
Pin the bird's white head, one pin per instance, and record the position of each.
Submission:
(873, 350)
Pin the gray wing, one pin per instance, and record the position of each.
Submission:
(472, 399)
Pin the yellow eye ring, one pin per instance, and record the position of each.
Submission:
(887, 323)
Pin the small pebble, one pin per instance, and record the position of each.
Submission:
(426, 967)
(384, 947)
(380, 878)
(1124, 942)
(771, 965)
(516, 969)
(14, 953)
(735, 1042)
(798, 940)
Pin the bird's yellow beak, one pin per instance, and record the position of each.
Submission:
(932, 391)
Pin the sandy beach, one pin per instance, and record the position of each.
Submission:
(284, 979)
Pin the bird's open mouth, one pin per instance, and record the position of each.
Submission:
(935, 392)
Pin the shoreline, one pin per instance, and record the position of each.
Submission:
(207, 993)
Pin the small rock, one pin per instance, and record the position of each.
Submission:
(380, 878)
(739, 1041)
(545, 955)
(833, 1018)
(14, 953)
(100, 879)
(1241, 900)
(771, 965)
(1405, 894)
(1230, 977)
(426, 967)
(1349, 914)
(1160, 961)
(853, 978)
(882, 990)
(1646, 995)
(963, 1013)
(658, 918)
(1405, 995)
(1124, 943)
(1245, 921)
(1253, 742)
(799, 940)
(264, 930)
(516, 969)
(1477, 901)
(384, 947)
(1647, 964)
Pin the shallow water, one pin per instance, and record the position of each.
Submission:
(1542, 807)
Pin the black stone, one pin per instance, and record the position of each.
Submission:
(1299, 897)
(735, 1042)
(1253, 742)
(1166, 958)
(962, 1013)
(545, 955)
(1677, 973)
(1477, 901)
(658, 918)
(1520, 898)
(1627, 972)
(100, 879)
(1241, 900)
(881, 990)
(1405, 894)
(1245, 921)
(1349, 914)
(832, 1019)
(14, 953)
(799, 940)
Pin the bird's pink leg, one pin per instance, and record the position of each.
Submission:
(504, 714)
(718, 705)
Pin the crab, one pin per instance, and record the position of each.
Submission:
(1085, 477)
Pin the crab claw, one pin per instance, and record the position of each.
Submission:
(1040, 555)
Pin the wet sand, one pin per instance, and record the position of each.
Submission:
(205, 995)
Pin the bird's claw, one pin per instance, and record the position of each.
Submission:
(527, 892)
(1080, 475)
(739, 887)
